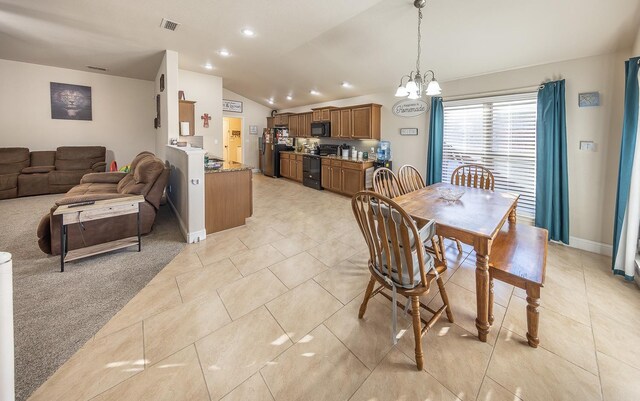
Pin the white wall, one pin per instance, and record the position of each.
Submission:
(636, 47)
(123, 111)
(168, 102)
(206, 91)
(253, 114)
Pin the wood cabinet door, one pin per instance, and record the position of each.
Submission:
(293, 125)
(325, 114)
(299, 170)
(292, 168)
(336, 178)
(317, 115)
(325, 176)
(270, 122)
(307, 124)
(285, 169)
(345, 123)
(361, 122)
(301, 128)
(352, 181)
(335, 123)
(186, 113)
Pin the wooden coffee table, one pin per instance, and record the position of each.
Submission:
(101, 209)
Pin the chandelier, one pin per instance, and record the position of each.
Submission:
(416, 83)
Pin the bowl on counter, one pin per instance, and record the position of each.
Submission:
(451, 194)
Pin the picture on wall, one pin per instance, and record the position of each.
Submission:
(70, 102)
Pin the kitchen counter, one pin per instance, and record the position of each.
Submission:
(333, 157)
(227, 166)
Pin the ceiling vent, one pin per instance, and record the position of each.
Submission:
(168, 24)
(91, 67)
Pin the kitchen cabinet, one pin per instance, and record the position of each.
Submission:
(293, 125)
(270, 122)
(352, 180)
(325, 175)
(344, 177)
(304, 125)
(365, 121)
(334, 118)
(299, 168)
(345, 123)
(285, 167)
(323, 114)
(281, 119)
(187, 113)
(336, 176)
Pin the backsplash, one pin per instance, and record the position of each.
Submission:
(361, 145)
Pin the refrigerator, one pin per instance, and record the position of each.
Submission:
(273, 141)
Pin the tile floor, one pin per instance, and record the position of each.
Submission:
(269, 311)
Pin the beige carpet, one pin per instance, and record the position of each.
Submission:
(56, 313)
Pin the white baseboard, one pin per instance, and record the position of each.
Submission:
(591, 246)
(189, 237)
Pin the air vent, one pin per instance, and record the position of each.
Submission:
(91, 67)
(168, 24)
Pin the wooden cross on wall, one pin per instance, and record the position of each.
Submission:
(206, 117)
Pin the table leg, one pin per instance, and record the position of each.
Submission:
(63, 246)
(512, 214)
(139, 239)
(482, 292)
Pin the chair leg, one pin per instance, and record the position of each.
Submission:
(533, 315)
(438, 250)
(417, 331)
(367, 295)
(445, 298)
(491, 317)
(459, 246)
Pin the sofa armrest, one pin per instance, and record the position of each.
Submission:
(69, 200)
(99, 167)
(37, 169)
(112, 177)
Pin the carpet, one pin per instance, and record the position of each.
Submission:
(56, 313)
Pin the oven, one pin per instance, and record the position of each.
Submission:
(321, 129)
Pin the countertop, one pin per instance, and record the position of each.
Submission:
(227, 166)
(333, 157)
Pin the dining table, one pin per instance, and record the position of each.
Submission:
(475, 219)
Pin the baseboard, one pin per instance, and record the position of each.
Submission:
(189, 237)
(256, 170)
(591, 246)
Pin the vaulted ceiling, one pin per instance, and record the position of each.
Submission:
(302, 45)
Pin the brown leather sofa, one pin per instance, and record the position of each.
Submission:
(148, 177)
(24, 173)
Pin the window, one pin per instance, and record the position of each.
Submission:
(498, 133)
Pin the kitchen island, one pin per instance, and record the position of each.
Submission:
(228, 195)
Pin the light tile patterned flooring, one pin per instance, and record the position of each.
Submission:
(269, 311)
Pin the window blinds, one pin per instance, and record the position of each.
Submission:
(498, 133)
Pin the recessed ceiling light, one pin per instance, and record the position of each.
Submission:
(289, 97)
(345, 84)
(224, 52)
(208, 66)
(270, 101)
(248, 32)
(314, 92)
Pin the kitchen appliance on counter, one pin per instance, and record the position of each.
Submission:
(328, 150)
(321, 129)
(311, 171)
(272, 142)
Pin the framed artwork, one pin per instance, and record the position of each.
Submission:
(233, 106)
(589, 99)
(70, 102)
(157, 123)
(408, 131)
(162, 83)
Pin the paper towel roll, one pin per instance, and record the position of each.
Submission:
(184, 128)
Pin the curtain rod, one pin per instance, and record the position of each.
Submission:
(514, 91)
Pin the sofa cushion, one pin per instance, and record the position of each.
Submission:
(37, 169)
(43, 158)
(111, 177)
(143, 177)
(92, 188)
(8, 181)
(33, 184)
(58, 177)
(79, 157)
(13, 160)
(138, 158)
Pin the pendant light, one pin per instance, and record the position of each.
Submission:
(414, 87)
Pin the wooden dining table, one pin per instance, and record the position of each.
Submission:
(475, 219)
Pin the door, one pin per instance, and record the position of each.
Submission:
(285, 168)
(293, 125)
(232, 127)
(325, 176)
(352, 181)
(299, 170)
(361, 124)
(336, 178)
(292, 168)
(335, 123)
(317, 116)
(225, 138)
(345, 123)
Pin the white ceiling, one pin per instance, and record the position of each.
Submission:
(313, 44)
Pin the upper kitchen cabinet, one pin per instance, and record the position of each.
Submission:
(187, 113)
(365, 121)
(304, 125)
(271, 122)
(322, 114)
(293, 125)
(281, 119)
(340, 123)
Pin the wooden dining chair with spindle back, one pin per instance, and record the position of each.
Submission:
(398, 262)
(386, 183)
(411, 180)
(473, 176)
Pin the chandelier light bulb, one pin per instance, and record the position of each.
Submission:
(433, 88)
(402, 91)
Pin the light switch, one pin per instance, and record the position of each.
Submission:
(215, 141)
(588, 145)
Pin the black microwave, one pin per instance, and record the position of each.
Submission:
(322, 129)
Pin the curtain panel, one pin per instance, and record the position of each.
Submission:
(436, 134)
(627, 215)
(552, 184)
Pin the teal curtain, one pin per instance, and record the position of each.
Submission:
(436, 133)
(552, 186)
(627, 150)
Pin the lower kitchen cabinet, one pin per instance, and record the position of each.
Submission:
(325, 175)
(352, 181)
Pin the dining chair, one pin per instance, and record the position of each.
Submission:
(473, 176)
(386, 183)
(411, 180)
(399, 263)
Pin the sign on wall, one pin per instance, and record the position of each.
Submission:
(410, 108)
(233, 106)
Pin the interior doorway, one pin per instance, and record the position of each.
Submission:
(232, 141)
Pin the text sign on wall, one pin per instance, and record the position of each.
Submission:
(233, 106)
(410, 108)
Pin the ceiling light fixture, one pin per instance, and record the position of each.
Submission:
(415, 85)
(289, 97)
(248, 32)
(208, 66)
(270, 101)
(345, 84)
(224, 52)
(314, 92)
